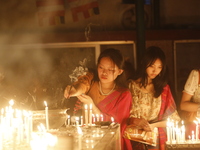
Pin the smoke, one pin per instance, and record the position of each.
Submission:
(20, 66)
(78, 71)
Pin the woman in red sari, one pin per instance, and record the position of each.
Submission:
(153, 102)
(107, 92)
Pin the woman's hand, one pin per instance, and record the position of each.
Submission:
(85, 99)
(141, 122)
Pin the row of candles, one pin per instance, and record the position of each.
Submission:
(176, 133)
(16, 126)
(89, 118)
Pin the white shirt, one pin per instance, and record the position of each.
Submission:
(192, 86)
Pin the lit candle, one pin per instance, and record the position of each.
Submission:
(178, 135)
(2, 116)
(68, 120)
(168, 131)
(11, 102)
(80, 134)
(197, 130)
(173, 132)
(86, 115)
(30, 124)
(189, 137)
(192, 135)
(101, 117)
(47, 115)
(90, 115)
(77, 121)
(1, 137)
(112, 119)
(81, 120)
(183, 131)
(26, 125)
(97, 116)
(93, 119)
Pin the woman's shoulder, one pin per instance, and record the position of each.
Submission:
(194, 75)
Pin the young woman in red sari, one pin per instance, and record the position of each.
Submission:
(153, 102)
(107, 92)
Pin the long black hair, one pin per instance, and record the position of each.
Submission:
(151, 55)
(117, 58)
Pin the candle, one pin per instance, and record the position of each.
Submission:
(192, 135)
(197, 130)
(80, 134)
(183, 131)
(112, 119)
(68, 120)
(77, 121)
(47, 115)
(101, 117)
(97, 116)
(86, 115)
(81, 120)
(168, 131)
(1, 137)
(11, 102)
(2, 116)
(26, 125)
(173, 131)
(178, 133)
(93, 119)
(90, 115)
(30, 124)
(189, 137)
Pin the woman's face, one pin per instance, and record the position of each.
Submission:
(107, 70)
(154, 69)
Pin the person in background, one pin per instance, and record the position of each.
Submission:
(153, 102)
(190, 100)
(106, 90)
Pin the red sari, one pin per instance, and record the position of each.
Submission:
(118, 105)
(168, 107)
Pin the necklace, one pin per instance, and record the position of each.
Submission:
(105, 93)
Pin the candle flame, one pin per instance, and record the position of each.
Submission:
(112, 119)
(45, 103)
(195, 122)
(182, 122)
(11, 102)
